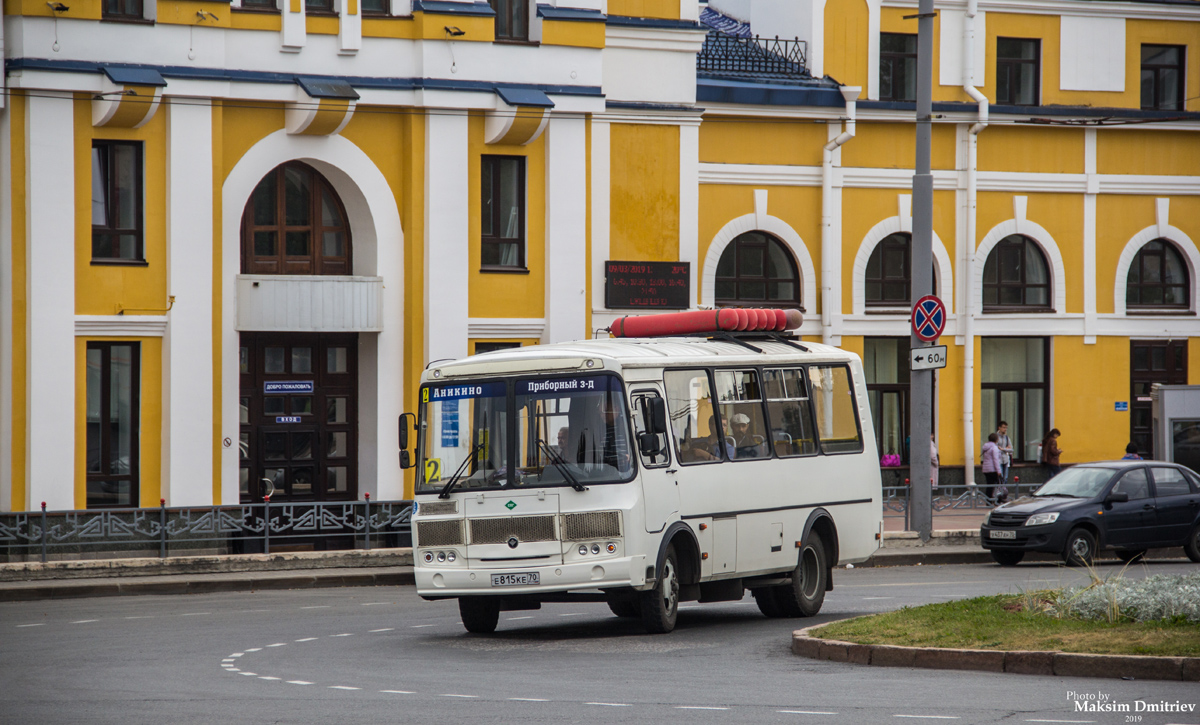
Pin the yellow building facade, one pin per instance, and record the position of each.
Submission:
(234, 234)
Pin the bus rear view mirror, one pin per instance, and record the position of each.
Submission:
(654, 414)
(406, 455)
(657, 415)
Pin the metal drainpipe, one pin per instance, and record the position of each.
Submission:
(829, 271)
(967, 265)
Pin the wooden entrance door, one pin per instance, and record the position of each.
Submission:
(1151, 361)
(299, 416)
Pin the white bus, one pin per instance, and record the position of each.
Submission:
(643, 473)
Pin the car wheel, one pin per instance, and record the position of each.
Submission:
(1128, 555)
(806, 594)
(625, 608)
(1192, 547)
(479, 614)
(767, 600)
(1080, 549)
(1007, 558)
(660, 605)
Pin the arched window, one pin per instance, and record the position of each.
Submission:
(1016, 275)
(1157, 278)
(294, 223)
(756, 269)
(888, 279)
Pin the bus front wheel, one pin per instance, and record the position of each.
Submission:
(806, 594)
(479, 614)
(660, 605)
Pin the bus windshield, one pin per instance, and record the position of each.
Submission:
(567, 431)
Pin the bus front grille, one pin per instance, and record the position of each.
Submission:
(438, 508)
(500, 530)
(594, 525)
(439, 533)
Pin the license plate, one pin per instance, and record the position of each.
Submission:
(1002, 534)
(520, 579)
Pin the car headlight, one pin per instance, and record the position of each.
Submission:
(1040, 519)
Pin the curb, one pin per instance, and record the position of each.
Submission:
(203, 585)
(1052, 663)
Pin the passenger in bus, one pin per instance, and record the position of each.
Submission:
(594, 437)
(563, 436)
(709, 449)
(745, 445)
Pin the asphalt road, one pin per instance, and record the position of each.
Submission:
(374, 655)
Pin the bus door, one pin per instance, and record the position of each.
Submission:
(660, 485)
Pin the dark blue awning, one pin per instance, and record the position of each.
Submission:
(525, 97)
(134, 76)
(327, 88)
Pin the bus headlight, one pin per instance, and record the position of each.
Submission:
(451, 556)
(428, 557)
(595, 548)
(583, 549)
(441, 556)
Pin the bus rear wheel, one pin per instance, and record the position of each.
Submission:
(660, 605)
(806, 594)
(479, 614)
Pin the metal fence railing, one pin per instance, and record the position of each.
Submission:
(949, 498)
(238, 529)
(732, 54)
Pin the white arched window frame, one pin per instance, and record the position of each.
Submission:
(777, 228)
(1042, 239)
(879, 232)
(1182, 242)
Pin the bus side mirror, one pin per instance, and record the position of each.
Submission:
(654, 414)
(406, 455)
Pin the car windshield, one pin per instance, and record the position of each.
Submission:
(1077, 482)
(569, 432)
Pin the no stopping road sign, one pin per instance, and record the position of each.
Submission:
(928, 318)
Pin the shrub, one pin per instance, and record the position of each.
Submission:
(1171, 598)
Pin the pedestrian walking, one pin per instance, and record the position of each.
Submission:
(1051, 452)
(1006, 449)
(991, 466)
(1131, 453)
(933, 461)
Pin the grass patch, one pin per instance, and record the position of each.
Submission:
(1004, 622)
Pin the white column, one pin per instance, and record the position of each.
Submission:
(600, 213)
(1090, 317)
(689, 204)
(446, 237)
(566, 230)
(187, 434)
(50, 363)
(350, 28)
(295, 30)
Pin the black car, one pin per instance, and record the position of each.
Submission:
(1129, 506)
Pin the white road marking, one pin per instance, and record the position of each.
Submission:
(374, 604)
(931, 717)
(573, 614)
(458, 695)
(513, 619)
(307, 639)
(343, 687)
(319, 606)
(232, 669)
(1073, 721)
(249, 674)
(900, 584)
(878, 597)
(237, 654)
(806, 712)
(528, 699)
(194, 614)
(39, 624)
(698, 707)
(227, 659)
(398, 692)
(264, 677)
(609, 704)
(85, 621)
(255, 649)
(278, 644)
(298, 682)
(385, 629)
(144, 616)
(418, 626)
(347, 634)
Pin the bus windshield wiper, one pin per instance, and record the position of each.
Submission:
(561, 465)
(459, 472)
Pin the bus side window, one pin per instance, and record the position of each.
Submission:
(790, 413)
(698, 435)
(742, 414)
(639, 426)
(836, 412)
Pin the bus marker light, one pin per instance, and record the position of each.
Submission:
(704, 555)
(611, 547)
(703, 527)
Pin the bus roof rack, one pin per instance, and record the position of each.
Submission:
(742, 338)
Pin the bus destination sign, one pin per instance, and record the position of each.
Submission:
(646, 285)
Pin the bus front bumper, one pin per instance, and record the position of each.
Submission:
(440, 582)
